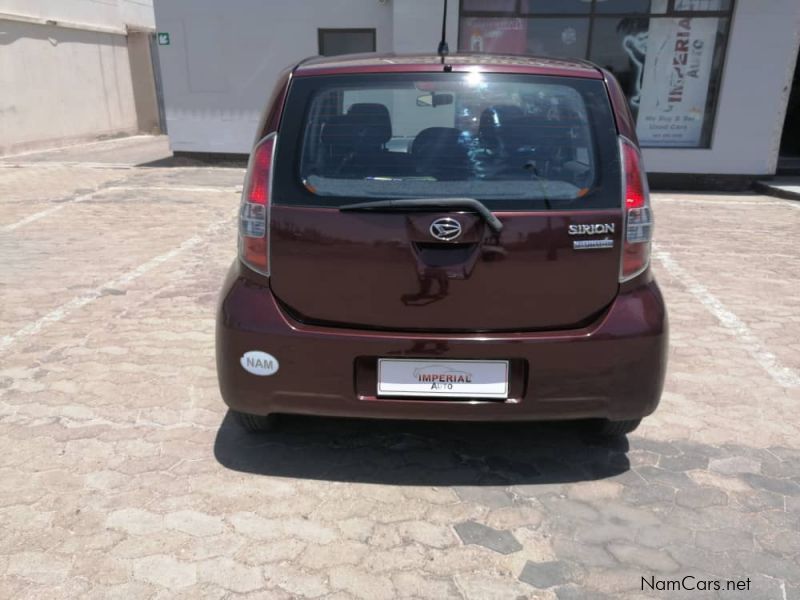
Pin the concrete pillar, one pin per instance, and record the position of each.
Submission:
(144, 89)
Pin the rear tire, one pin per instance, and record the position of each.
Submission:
(616, 428)
(256, 423)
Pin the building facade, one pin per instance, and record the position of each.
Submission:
(709, 81)
(75, 70)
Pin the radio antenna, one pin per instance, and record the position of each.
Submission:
(443, 49)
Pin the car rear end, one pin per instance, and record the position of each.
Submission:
(468, 242)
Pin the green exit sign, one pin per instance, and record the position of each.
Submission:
(163, 38)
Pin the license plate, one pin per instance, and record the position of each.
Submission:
(443, 378)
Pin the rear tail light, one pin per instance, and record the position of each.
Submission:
(638, 218)
(254, 211)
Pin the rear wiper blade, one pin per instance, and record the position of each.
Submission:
(412, 203)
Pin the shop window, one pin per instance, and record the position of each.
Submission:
(702, 5)
(631, 6)
(541, 7)
(489, 6)
(667, 54)
(558, 37)
(345, 41)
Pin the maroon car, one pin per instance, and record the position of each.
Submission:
(461, 238)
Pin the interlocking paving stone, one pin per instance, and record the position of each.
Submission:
(785, 487)
(712, 563)
(784, 453)
(647, 558)
(123, 476)
(683, 462)
(574, 592)
(640, 458)
(630, 478)
(778, 520)
(492, 497)
(768, 564)
(760, 588)
(583, 553)
(599, 534)
(536, 491)
(654, 493)
(758, 501)
(785, 542)
(724, 540)
(792, 504)
(546, 574)
(571, 509)
(669, 478)
(503, 542)
(783, 469)
(661, 535)
(701, 497)
(734, 465)
(661, 448)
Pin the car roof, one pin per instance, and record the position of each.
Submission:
(490, 63)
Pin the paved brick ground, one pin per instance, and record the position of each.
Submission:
(122, 476)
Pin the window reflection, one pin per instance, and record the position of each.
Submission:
(489, 6)
(493, 35)
(666, 54)
(620, 46)
(540, 7)
(630, 6)
(702, 5)
(564, 38)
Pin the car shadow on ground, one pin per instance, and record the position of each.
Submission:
(422, 453)
(222, 161)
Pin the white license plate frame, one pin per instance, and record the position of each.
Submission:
(442, 378)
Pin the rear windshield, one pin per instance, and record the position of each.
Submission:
(514, 142)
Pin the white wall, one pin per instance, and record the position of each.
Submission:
(762, 50)
(417, 25)
(65, 73)
(105, 13)
(223, 58)
(62, 85)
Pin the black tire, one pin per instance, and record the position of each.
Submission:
(615, 428)
(256, 423)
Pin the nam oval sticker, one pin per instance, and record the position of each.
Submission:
(259, 363)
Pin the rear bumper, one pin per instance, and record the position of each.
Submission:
(611, 369)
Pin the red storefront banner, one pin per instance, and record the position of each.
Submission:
(494, 35)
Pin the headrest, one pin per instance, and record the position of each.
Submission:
(436, 139)
(372, 122)
(439, 152)
(338, 131)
